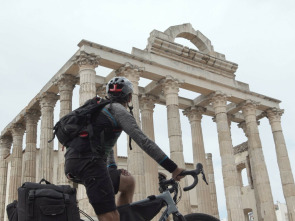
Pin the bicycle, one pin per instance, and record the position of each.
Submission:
(147, 209)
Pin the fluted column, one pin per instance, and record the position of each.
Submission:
(212, 187)
(229, 171)
(147, 105)
(135, 156)
(32, 117)
(16, 161)
(47, 103)
(287, 179)
(5, 144)
(66, 85)
(262, 190)
(87, 64)
(170, 87)
(194, 115)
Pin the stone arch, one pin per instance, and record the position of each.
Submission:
(188, 32)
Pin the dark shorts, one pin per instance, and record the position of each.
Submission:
(101, 183)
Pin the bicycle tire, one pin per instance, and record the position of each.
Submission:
(200, 217)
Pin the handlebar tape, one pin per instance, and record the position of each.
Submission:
(194, 174)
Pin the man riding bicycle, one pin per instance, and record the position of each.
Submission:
(98, 172)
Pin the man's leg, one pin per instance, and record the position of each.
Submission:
(110, 216)
(126, 188)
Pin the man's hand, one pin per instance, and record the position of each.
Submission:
(125, 172)
(176, 172)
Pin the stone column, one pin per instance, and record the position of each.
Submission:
(66, 85)
(147, 105)
(32, 117)
(194, 115)
(135, 156)
(211, 181)
(47, 103)
(171, 88)
(262, 190)
(5, 145)
(229, 171)
(287, 179)
(16, 161)
(87, 64)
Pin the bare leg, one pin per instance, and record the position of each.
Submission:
(110, 216)
(126, 188)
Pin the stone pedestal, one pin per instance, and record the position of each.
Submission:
(135, 156)
(66, 85)
(29, 173)
(287, 179)
(171, 88)
(5, 144)
(194, 115)
(87, 64)
(230, 177)
(262, 190)
(47, 103)
(16, 161)
(147, 104)
(212, 187)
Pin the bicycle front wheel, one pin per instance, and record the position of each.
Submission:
(200, 217)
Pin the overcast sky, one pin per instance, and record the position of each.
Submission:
(38, 37)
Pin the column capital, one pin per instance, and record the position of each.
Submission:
(249, 107)
(66, 82)
(32, 116)
(170, 85)
(130, 71)
(209, 156)
(101, 91)
(85, 60)
(218, 99)
(274, 114)
(18, 129)
(5, 141)
(194, 113)
(147, 102)
(243, 126)
(48, 99)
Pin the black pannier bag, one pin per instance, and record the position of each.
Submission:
(11, 210)
(144, 211)
(47, 202)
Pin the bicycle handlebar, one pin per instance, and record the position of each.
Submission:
(193, 173)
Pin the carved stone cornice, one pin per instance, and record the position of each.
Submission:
(130, 71)
(88, 60)
(66, 82)
(48, 99)
(170, 85)
(147, 102)
(194, 113)
(274, 114)
(32, 116)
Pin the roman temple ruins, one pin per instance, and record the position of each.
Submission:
(170, 67)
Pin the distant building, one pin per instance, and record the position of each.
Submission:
(281, 211)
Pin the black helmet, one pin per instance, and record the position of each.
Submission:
(119, 88)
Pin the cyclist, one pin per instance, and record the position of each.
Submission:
(98, 172)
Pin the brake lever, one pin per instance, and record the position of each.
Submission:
(204, 177)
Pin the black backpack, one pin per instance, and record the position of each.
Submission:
(78, 122)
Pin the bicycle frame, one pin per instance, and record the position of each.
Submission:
(171, 207)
